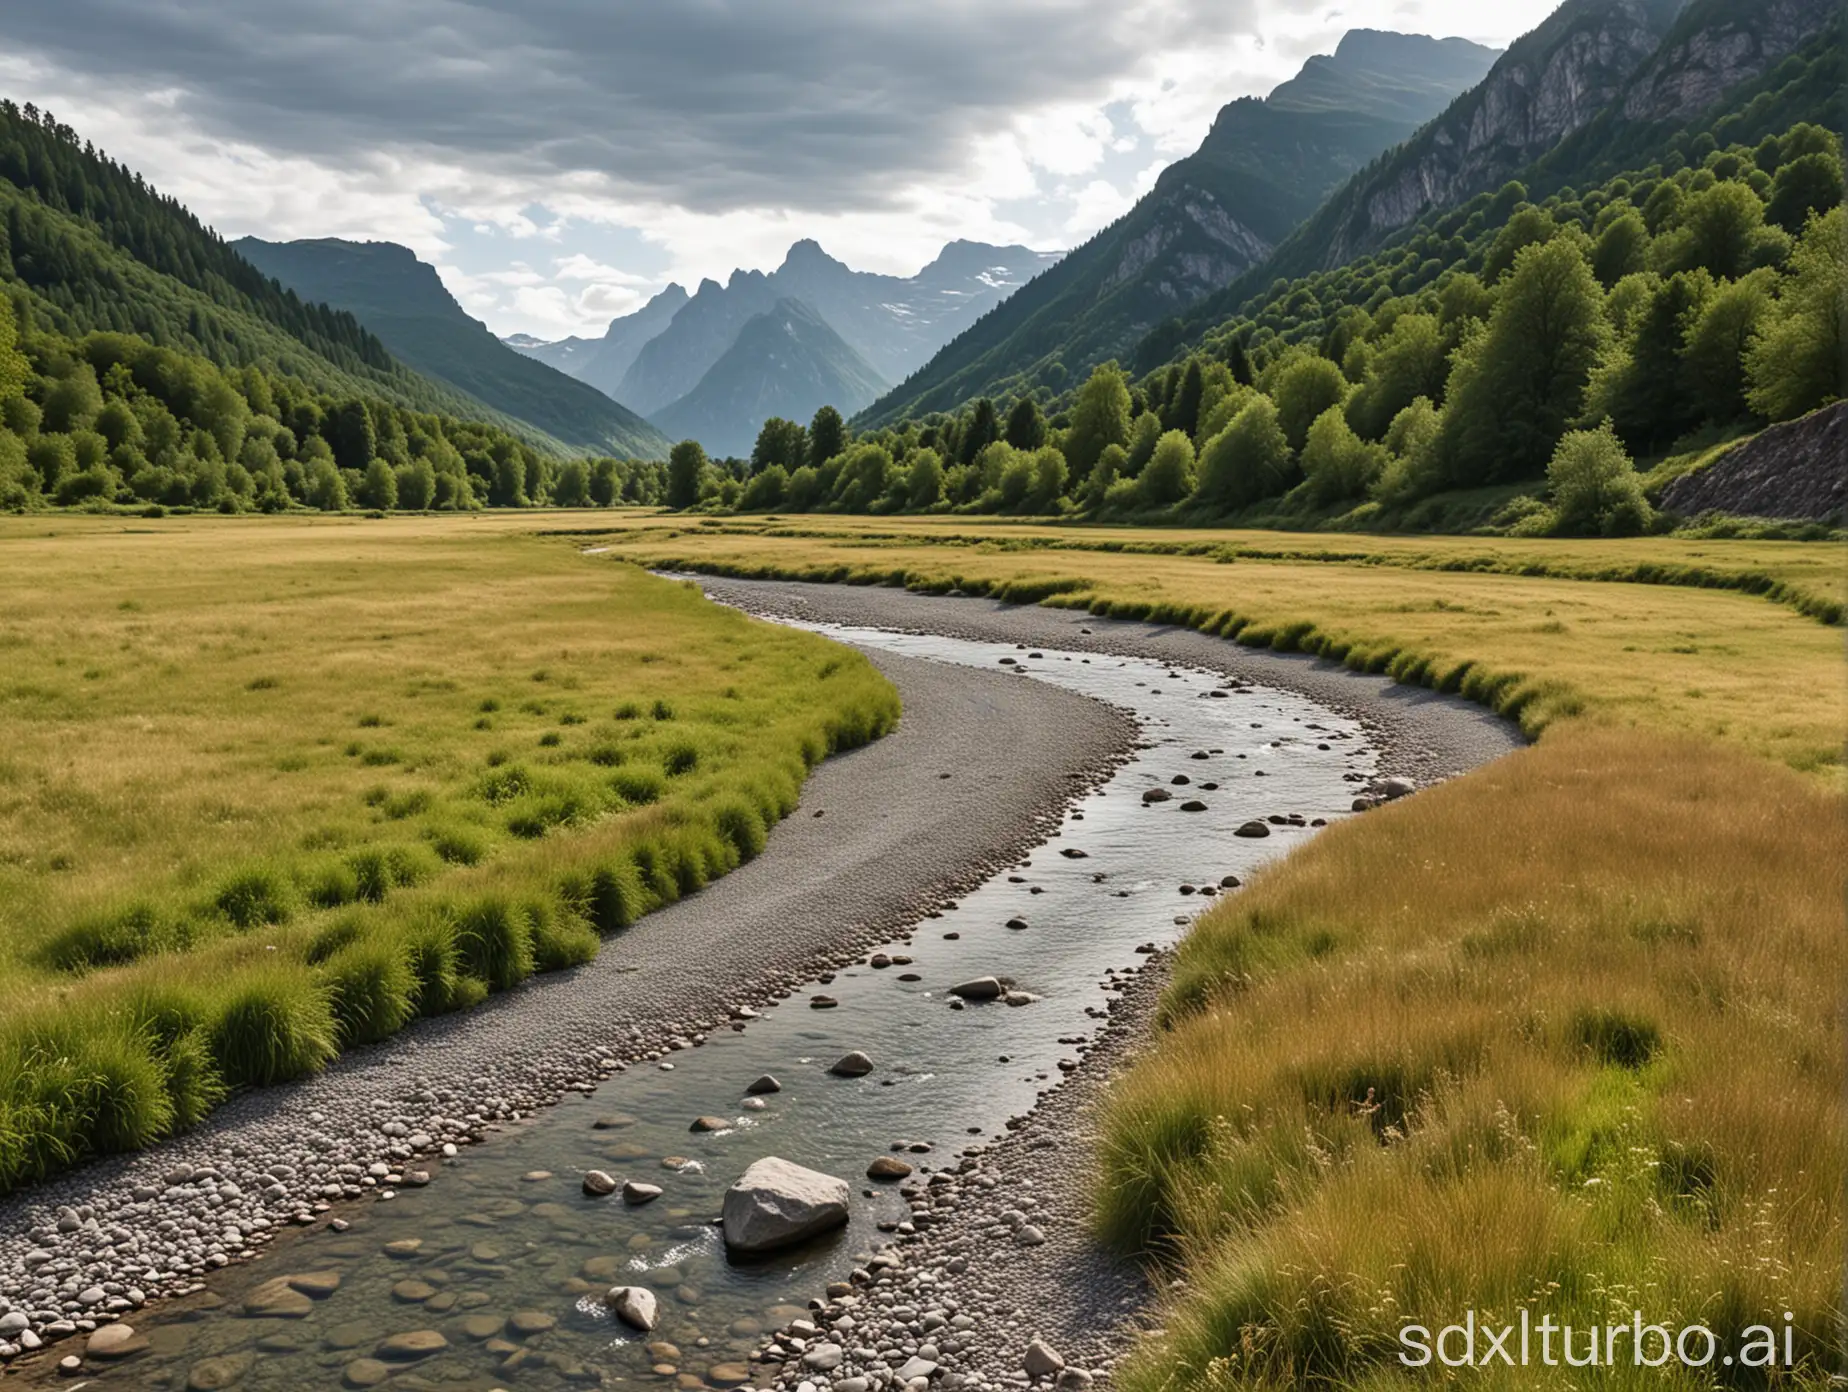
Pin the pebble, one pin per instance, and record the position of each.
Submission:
(598, 1183)
(854, 1065)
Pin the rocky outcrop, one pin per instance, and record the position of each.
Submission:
(1793, 471)
(1692, 71)
(1549, 84)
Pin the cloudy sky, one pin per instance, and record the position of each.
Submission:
(561, 160)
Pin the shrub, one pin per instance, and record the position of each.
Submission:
(116, 936)
(273, 1025)
(1595, 487)
(559, 939)
(371, 989)
(495, 941)
(255, 897)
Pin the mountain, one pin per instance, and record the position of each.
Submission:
(1551, 82)
(787, 361)
(894, 322)
(404, 302)
(1598, 86)
(1719, 55)
(87, 245)
(602, 361)
(1265, 165)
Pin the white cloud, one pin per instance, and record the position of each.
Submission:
(509, 158)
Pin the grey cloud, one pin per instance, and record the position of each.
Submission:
(709, 104)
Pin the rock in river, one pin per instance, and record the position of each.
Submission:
(854, 1065)
(983, 988)
(597, 1183)
(114, 1341)
(709, 1123)
(1253, 829)
(776, 1203)
(763, 1085)
(634, 1306)
(635, 1192)
(416, 1343)
(887, 1167)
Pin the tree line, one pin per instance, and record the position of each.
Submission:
(1504, 342)
(111, 419)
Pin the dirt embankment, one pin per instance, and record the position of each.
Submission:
(1797, 470)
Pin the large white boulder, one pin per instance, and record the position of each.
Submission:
(776, 1203)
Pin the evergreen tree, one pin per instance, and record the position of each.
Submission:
(1183, 413)
(1026, 425)
(981, 430)
(827, 436)
(686, 474)
(349, 433)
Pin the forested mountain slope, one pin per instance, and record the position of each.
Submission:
(1600, 86)
(1265, 165)
(403, 300)
(86, 244)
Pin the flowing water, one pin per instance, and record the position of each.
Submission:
(506, 1259)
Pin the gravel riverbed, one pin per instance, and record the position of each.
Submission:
(999, 1274)
(979, 771)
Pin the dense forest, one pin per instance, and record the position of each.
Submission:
(112, 419)
(1531, 349)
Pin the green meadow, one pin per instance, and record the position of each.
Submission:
(271, 788)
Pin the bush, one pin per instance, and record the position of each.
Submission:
(371, 989)
(494, 938)
(115, 937)
(559, 939)
(255, 897)
(274, 1024)
(1595, 487)
(1337, 463)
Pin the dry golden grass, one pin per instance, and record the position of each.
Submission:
(1565, 1034)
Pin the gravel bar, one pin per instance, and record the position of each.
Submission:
(980, 769)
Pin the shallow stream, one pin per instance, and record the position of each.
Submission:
(506, 1259)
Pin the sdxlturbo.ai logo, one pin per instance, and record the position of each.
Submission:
(1547, 1343)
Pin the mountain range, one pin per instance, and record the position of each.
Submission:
(1265, 165)
(657, 361)
(405, 302)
